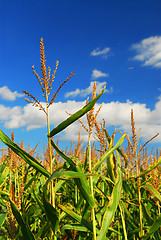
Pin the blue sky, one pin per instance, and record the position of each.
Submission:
(115, 43)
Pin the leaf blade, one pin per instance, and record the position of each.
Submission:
(109, 152)
(155, 226)
(75, 116)
(24, 155)
(27, 234)
(113, 204)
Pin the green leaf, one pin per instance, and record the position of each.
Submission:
(152, 190)
(75, 116)
(146, 215)
(4, 175)
(3, 215)
(3, 165)
(24, 155)
(119, 150)
(108, 153)
(69, 160)
(84, 223)
(151, 168)
(156, 225)
(49, 209)
(27, 234)
(113, 203)
(44, 230)
(85, 184)
(29, 183)
(58, 185)
(51, 212)
(77, 217)
(38, 200)
(66, 175)
(76, 227)
(81, 183)
(5, 194)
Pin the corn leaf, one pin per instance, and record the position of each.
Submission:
(4, 175)
(156, 225)
(5, 194)
(80, 183)
(146, 215)
(51, 212)
(84, 223)
(3, 165)
(153, 191)
(75, 116)
(151, 168)
(3, 215)
(76, 227)
(44, 230)
(58, 185)
(113, 204)
(27, 234)
(84, 188)
(24, 155)
(69, 160)
(66, 175)
(84, 182)
(76, 217)
(109, 152)
(119, 150)
(39, 202)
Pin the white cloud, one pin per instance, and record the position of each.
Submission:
(85, 92)
(77, 92)
(149, 51)
(116, 114)
(131, 68)
(7, 94)
(98, 52)
(97, 74)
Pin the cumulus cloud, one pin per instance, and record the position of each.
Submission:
(26, 116)
(85, 92)
(149, 51)
(97, 74)
(116, 114)
(7, 94)
(98, 52)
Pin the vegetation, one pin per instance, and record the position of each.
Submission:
(84, 193)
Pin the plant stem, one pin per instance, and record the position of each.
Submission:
(92, 193)
(52, 198)
(139, 196)
(123, 222)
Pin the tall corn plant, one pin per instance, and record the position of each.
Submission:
(46, 82)
(46, 85)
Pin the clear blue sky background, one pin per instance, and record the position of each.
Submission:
(117, 43)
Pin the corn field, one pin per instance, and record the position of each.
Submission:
(99, 190)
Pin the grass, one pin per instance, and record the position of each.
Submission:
(88, 192)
